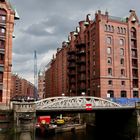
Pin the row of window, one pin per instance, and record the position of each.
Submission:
(110, 82)
(123, 93)
(109, 51)
(109, 41)
(110, 28)
(110, 72)
(109, 61)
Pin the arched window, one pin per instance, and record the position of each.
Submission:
(135, 94)
(109, 60)
(112, 29)
(109, 28)
(122, 61)
(121, 42)
(110, 94)
(105, 27)
(122, 72)
(133, 32)
(121, 51)
(124, 31)
(110, 71)
(109, 50)
(123, 93)
(118, 29)
(121, 31)
(109, 40)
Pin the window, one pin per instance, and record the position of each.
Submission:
(123, 83)
(2, 30)
(93, 72)
(109, 60)
(133, 32)
(121, 31)
(112, 29)
(134, 53)
(109, 40)
(1, 56)
(122, 72)
(121, 42)
(122, 61)
(135, 94)
(3, 18)
(108, 50)
(110, 93)
(2, 42)
(123, 94)
(110, 82)
(109, 28)
(118, 29)
(110, 71)
(106, 28)
(121, 51)
(1, 76)
(124, 31)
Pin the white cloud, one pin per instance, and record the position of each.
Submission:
(44, 24)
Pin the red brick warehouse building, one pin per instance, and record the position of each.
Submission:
(103, 57)
(7, 19)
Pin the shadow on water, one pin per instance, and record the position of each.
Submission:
(86, 135)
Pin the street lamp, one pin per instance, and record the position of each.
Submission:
(63, 94)
(83, 93)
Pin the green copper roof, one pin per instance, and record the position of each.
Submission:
(117, 18)
(14, 9)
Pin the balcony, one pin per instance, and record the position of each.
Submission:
(71, 52)
(80, 70)
(82, 79)
(80, 46)
(2, 23)
(2, 47)
(2, 36)
(71, 66)
(133, 47)
(72, 81)
(81, 61)
(71, 58)
(82, 52)
(1, 62)
(134, 63)
(71, 73)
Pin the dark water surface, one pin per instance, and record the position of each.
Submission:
(85, 135)
(79, 135)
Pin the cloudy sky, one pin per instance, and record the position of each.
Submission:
(44, 24)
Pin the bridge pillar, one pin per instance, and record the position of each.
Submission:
(24, 120)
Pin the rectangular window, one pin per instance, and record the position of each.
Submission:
(110, 71)
(110, 82)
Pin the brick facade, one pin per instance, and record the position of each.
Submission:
(21, 87)
(102, 58)
(7, 17)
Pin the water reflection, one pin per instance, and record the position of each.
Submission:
(78, 135)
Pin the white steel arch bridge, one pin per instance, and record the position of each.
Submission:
(76, 103)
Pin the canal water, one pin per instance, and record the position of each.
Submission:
(76, 135)
(85, 135)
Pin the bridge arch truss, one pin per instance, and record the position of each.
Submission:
(74, 103)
